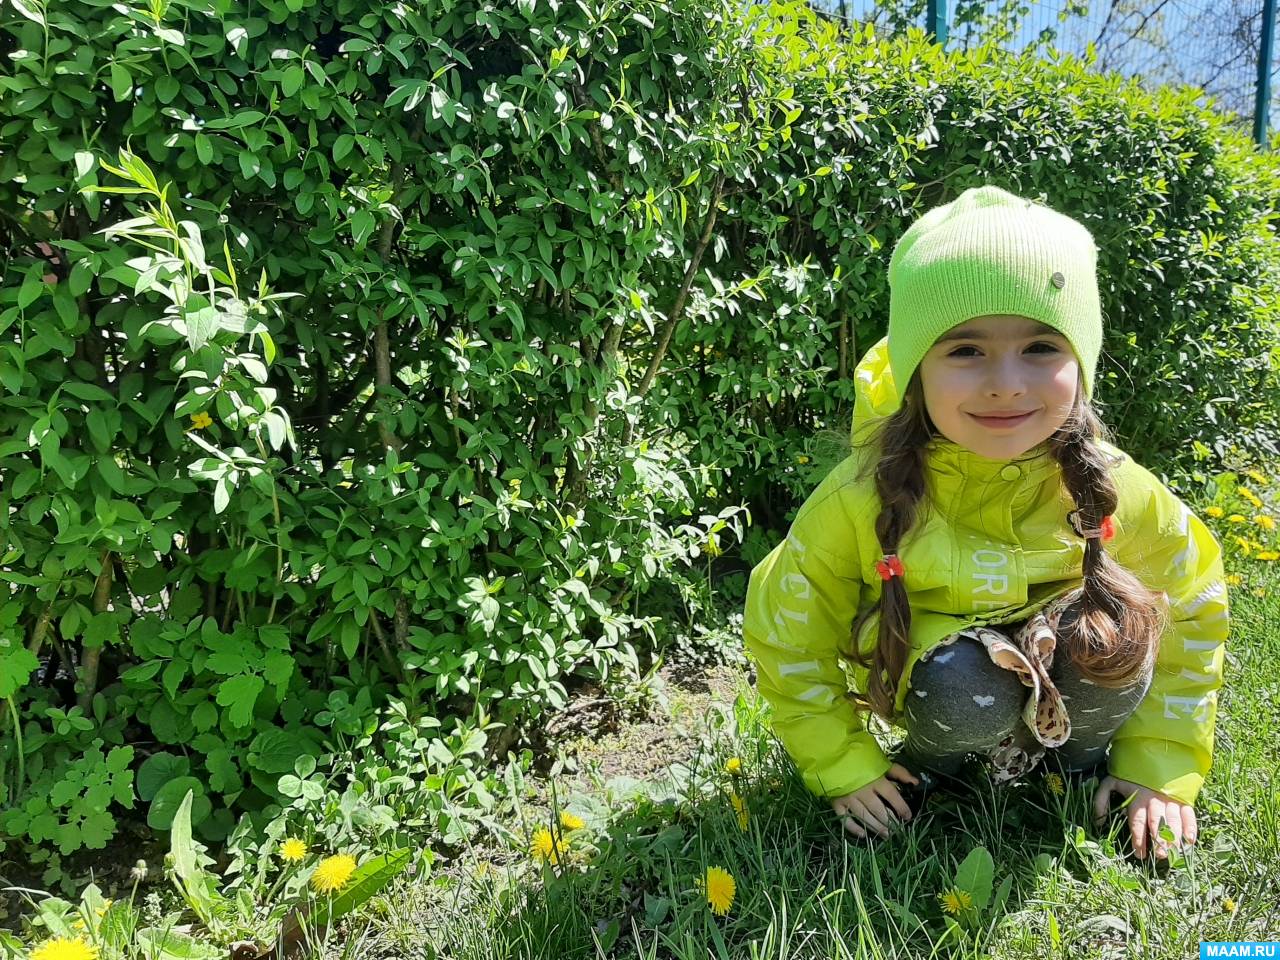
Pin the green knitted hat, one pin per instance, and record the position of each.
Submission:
(991, 252)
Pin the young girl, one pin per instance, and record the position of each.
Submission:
(985, 569)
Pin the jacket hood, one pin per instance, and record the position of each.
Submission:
(875, 393)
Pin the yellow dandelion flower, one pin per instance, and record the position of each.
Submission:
(1249, 495)
(1257, 477)
(719, 887)
(740, 808)
(546, 847)
(292, 850)
(802, 459)
(61, 948)
(201, 420)
(955, 900)
(1267, 555)
(1244, 544)
(1228, 905)
(1259, 592)
(1054, 783)
(733, 766)
(1236, 518)
(333, 873)
(1234, 579)
(1265, 521)
(571, 821)
(1213, 511)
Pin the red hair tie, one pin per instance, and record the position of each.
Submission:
(1106, 530)
(890, 566)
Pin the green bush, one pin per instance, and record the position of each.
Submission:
(558, 292)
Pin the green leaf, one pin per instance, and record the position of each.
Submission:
(221, 495)
(249, 164)
(167, 88)
(30, 11)
(410, 94)
(157, 770)
(368, 879)
(189, 873)
(362, 224)
(204, 148)
(97, 828)
(121, 83)
(16, 666)
(975, 874)
(163, 944)
(240, 694)
(293, 79)
(103, 628)
(276, 751)
(174, 795)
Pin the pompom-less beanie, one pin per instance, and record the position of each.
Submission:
(992, 252)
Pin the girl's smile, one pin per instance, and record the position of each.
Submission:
(1000, 384)
(1000, 421)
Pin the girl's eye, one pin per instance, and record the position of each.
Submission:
(956, 352)
(1052, 348)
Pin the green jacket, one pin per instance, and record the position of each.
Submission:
(992, 545)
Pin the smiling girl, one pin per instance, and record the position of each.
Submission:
(986, 570)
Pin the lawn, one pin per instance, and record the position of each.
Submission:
(673, 825)
(626, 882)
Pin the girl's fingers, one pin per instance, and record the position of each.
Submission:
(876, 820)
(1190, 829)
(902, 774)
(1173, 817)
(851, 825)
(1155, 816)
(889, 793)
(1138, 827)
(1102, 799)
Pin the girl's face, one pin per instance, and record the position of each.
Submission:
(982, 371)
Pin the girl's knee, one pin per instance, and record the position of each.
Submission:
(959, 696)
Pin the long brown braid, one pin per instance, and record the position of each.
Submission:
(1111, 633)
(899, 476)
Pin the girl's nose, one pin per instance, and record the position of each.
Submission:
(1006, 377)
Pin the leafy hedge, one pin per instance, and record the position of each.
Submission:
(375, 371)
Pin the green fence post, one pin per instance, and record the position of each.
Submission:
(1262, 105)
(936, 21)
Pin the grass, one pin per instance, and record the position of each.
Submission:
(626, 886)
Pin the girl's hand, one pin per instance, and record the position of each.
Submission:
(875, 804)
(1148, 809)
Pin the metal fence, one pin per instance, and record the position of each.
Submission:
(1216, 45)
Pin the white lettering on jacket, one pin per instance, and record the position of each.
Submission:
(796, 544)
(801, 590)
(1187, 558)
(996, 584)
(1190, 645)
(1215, 591)
(809, 666)
(1197, 708)
(1189, 674)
